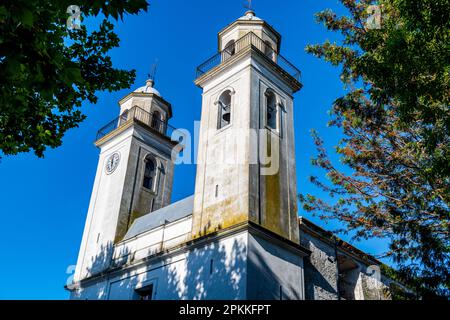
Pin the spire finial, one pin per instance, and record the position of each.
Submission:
(249, 5)
(150, 83)
(250, 13)
(152, 74)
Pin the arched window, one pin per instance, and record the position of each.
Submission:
(156, 122)
(149, 173)
(230, 49)
(271, 110)
(224, 105)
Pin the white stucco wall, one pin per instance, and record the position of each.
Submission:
(104, 207)
(238, 266)
(153, 241)
(274, 272)
(188, 274)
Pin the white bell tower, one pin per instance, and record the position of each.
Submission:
(134, 175)
(246, 159)
(246, 176)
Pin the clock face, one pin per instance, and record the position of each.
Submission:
(112, 162)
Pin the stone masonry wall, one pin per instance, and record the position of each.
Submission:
(364, 282)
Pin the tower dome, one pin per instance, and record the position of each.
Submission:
(250, 15)
(148, 88)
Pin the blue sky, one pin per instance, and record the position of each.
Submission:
(44, 202)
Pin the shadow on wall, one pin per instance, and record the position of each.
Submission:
(101, 261)
(214, 271)
(96, 266)
(264, 283)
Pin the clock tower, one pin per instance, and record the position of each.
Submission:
(134, 175)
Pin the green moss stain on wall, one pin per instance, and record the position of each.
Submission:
(219, 216)
(272, 203)
(273, 219)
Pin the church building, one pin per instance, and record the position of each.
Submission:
(239, 235)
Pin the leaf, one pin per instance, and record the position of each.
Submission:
(27, 18)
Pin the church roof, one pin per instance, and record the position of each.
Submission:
(155, 219)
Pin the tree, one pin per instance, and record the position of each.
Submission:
(395, 119)
(48, 70)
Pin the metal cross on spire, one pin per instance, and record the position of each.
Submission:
(153, 70)
(249, 5)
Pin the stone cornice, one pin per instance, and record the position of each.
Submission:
(131, 123)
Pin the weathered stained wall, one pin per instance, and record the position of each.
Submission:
(137, 200)
(273, 185)
(222, 181)
(320, 270)
(232, 185)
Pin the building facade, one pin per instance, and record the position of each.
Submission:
(239, 236)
